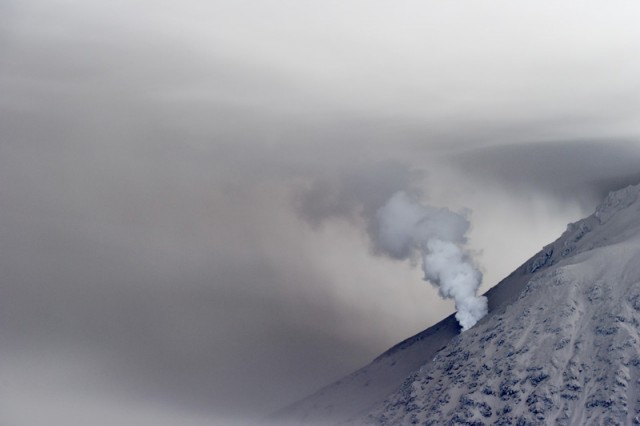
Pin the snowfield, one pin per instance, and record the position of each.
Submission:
(560, 345)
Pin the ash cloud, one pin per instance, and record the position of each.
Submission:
(355, 193)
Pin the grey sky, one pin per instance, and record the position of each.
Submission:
(181, 183)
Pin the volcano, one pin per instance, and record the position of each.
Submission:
(560, 345)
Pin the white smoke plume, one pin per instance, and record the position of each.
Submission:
(405, 228)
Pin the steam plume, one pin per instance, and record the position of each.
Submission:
(404, 228)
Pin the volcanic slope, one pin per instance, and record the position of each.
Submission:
(560, 345)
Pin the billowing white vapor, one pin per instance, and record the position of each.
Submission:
(404, 228)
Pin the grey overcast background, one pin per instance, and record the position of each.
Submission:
(181, 184)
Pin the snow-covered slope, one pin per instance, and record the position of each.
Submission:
(560, 345)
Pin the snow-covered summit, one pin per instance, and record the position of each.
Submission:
(560, 345)
(617, 201)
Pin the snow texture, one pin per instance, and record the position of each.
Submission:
(560, 345)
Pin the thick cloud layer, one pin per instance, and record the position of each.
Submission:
(160, 163)
(575, 170)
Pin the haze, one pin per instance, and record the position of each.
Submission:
(182, 184)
